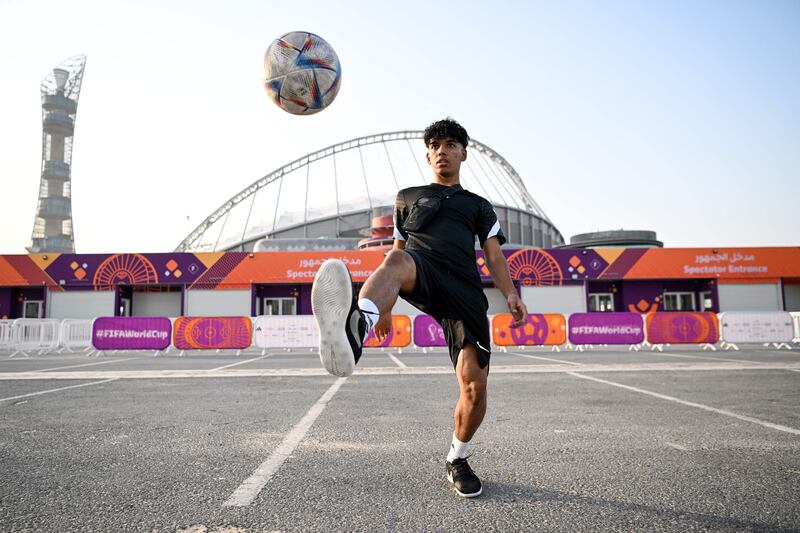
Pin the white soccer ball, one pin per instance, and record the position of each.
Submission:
(302, 73)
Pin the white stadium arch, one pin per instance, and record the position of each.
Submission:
(327, 199)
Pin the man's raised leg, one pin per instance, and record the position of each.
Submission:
(398, 272)
(343, 321)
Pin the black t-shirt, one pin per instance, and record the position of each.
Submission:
(449, 239)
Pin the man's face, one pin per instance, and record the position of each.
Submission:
(445, 156)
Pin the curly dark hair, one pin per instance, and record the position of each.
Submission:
(447, 128)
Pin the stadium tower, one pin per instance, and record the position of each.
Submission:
(52, 228)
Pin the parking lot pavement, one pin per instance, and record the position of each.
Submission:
(596, 440)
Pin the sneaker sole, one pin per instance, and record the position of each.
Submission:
(331, 297)
(462, 494)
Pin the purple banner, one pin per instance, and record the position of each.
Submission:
(131, 333)
(428, 332)
(606, 328)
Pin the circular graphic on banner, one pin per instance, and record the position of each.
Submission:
(534, 267)
(681, 327)
(689, 328)
(212, 332)
(124, 269)
(540, 329)
(534, 332)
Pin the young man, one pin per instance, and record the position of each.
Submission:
(432, 266)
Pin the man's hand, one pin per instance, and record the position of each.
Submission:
(517, 309)
(383, 327)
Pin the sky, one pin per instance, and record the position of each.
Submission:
(681, 117)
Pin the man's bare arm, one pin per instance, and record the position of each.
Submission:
(498, 267)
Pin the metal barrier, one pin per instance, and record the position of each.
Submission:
(399, 335)
(796, 320)
(212, 333)
(75, 334)
(757, 327)
(606, 328)
(427, 333)
(285, 332)
(30, 334)
(6, 334)
(679, 327)
(540, 330)
(300, 331)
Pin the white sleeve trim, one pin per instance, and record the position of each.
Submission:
(398, 235)
(494, 231)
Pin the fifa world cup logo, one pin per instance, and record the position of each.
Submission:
(435, 332)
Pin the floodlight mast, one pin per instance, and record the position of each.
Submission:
(52, 226)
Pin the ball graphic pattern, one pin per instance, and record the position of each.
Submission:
(302, 73)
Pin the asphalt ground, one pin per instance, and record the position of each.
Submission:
(599, 440)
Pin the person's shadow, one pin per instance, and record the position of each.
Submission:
(509, 492)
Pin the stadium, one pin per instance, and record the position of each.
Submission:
(257, 253)
(651, 387)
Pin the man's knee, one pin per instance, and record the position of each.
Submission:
(474, 392)
(398, 259)
(402, 267)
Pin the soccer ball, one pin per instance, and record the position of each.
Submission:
(301, 73)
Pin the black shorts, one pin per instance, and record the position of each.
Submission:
(459, 306)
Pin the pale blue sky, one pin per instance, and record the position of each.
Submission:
(679, 117)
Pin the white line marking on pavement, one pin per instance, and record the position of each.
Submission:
(545, 358)
(668, 354)
(397, 361)
(56, 390)
(240, 363)
(251, 487)
(793, 369)
(85, 364)
(394, 371)
(764, 423)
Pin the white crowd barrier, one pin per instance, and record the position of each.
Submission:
(796, 320)
(285, 331)
(75, 334)
(31, 334)
(779, 328)
(6, 334)
(741, 327)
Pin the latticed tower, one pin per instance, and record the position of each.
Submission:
(52, 228)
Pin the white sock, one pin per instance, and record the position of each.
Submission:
(458, 449)
(371, 314)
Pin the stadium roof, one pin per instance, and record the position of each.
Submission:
(357, 177)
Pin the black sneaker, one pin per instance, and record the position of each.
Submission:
(463, 479)
(341, 323)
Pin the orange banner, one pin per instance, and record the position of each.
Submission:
(540, 330)
(209, 333)
(399, 337)
(682, 328)
(678, 263)
(298, 267)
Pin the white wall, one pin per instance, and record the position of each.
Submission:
(565, 299)
(750, 297)
(156, 304)
(497, 302)
(80, 304)
(217, 303)
(402, 307)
